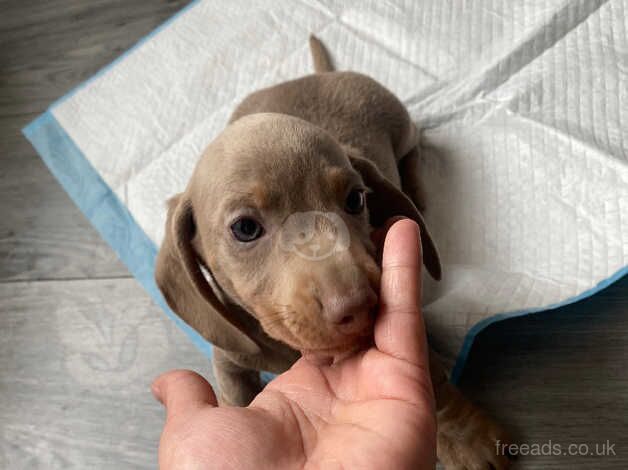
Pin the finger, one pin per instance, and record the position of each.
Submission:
(379, 235)
(182, 391)
(399, 329)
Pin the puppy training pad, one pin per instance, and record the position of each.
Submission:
(522, 108)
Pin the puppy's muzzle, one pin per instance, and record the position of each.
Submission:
(350, 313)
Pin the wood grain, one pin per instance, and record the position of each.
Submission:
(47, 48)
(43, 235)
(559, 376)
(74, 332)
(76, 362)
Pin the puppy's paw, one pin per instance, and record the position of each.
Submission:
(470, 440)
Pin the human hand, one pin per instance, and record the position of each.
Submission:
(372, 410)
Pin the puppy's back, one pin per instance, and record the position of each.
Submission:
(352, 107)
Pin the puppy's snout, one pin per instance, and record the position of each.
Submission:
(349, 313)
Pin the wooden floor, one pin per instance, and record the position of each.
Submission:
(80, 341)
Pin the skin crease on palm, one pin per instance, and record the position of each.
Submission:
(373, 410)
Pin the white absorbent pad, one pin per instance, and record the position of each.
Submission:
(522, 108)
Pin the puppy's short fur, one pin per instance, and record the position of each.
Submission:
(301, 157)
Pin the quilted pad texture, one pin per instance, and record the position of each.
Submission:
(522, 108)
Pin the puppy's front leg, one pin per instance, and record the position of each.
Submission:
(467, 437)
(237, 385)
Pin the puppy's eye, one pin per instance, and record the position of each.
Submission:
(246, 229)
(355, 201)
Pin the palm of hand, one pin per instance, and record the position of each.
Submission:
(373, 410)
(366, 412)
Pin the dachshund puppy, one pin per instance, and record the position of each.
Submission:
(268, 251)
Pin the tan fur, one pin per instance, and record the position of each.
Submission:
(299, 147)
(320, 58)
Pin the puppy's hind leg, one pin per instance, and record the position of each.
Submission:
(237, 385)
(467, 436)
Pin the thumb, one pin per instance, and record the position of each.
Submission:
(379, 235)
(399, 328)
(182, 391)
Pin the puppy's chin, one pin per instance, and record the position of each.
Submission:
(326, 357)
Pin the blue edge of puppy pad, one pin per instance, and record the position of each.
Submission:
(118, 228)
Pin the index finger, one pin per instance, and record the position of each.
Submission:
(399, 329)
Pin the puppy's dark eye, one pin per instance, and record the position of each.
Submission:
(246, 229)
(355, 201)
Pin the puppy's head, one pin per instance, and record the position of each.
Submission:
(276, 222)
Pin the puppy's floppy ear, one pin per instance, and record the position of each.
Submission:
(385, 201)
(180, 279)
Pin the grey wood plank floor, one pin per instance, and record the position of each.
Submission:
(80, 341)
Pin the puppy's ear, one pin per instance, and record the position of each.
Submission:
(180, 279)
(386, 201)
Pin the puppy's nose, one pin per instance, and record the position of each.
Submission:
(350, 313)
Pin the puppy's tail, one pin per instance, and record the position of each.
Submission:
(320, 56)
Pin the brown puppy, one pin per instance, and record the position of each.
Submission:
(268, 253)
